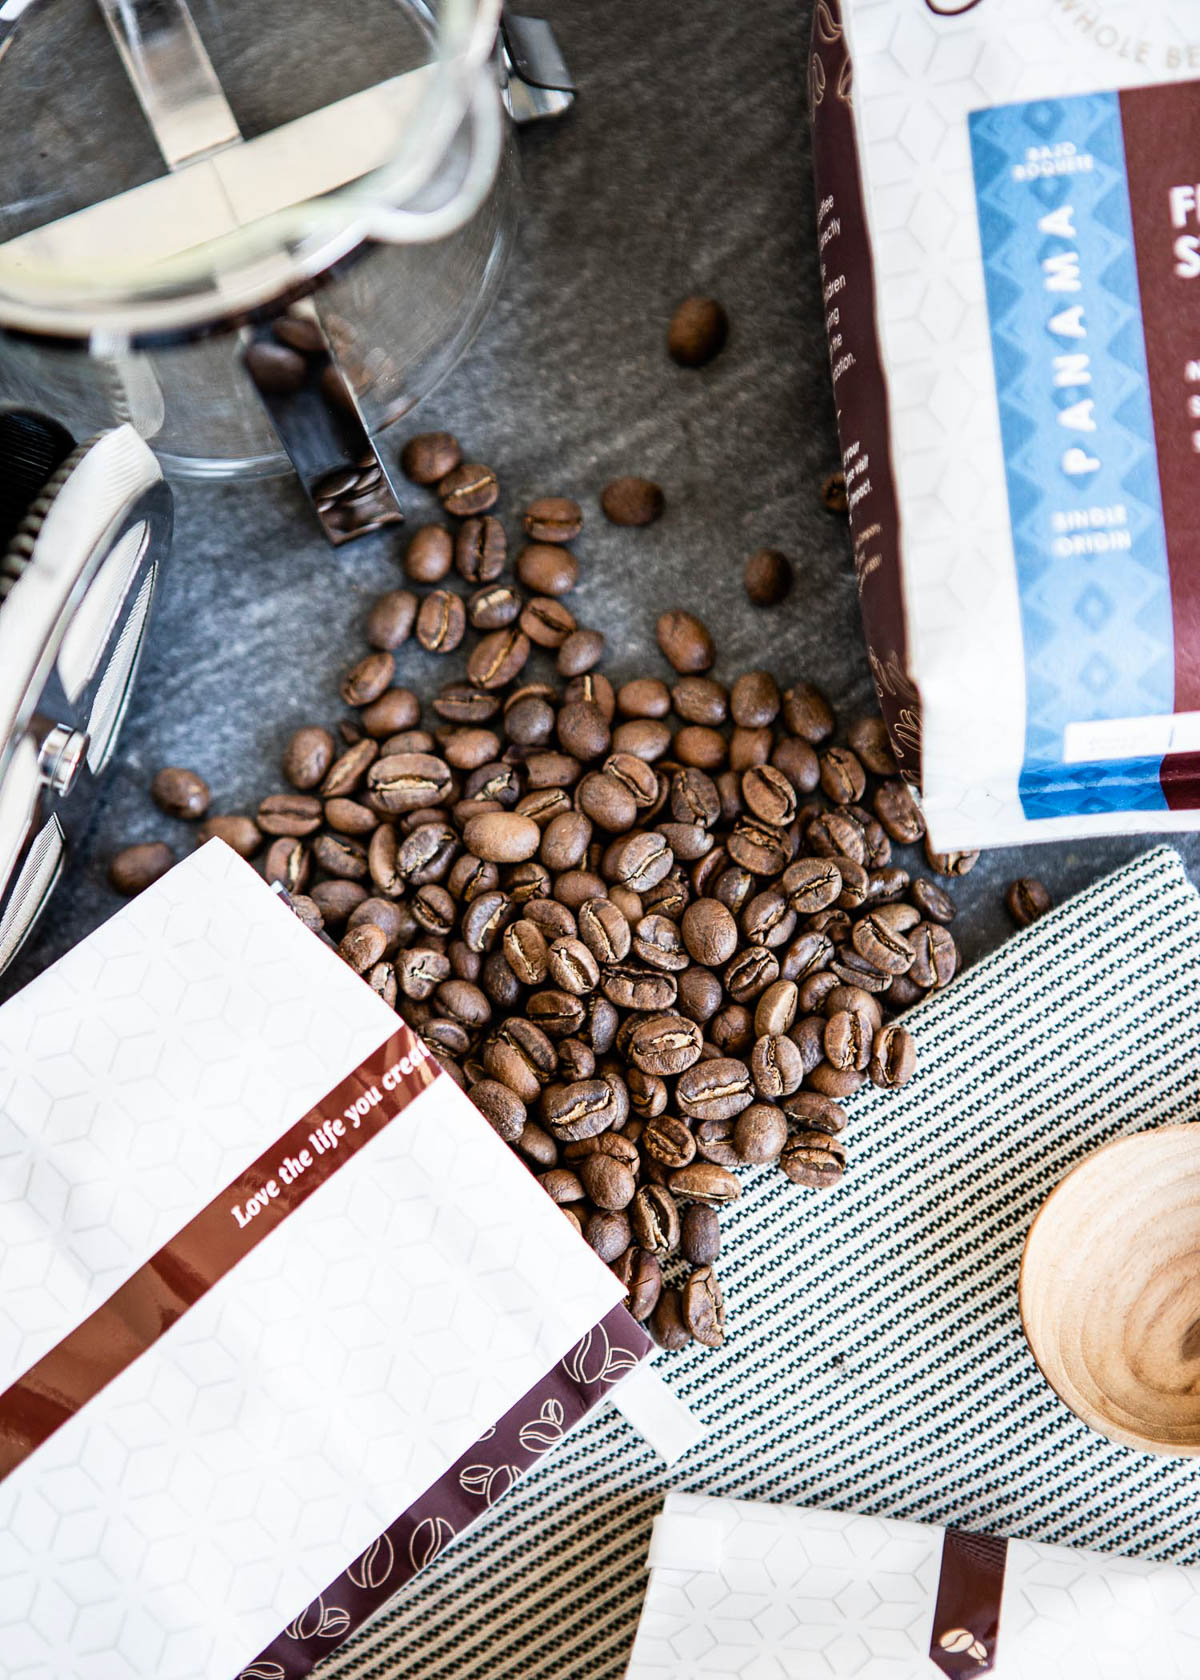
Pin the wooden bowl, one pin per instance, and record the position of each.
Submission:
(1110, 1290)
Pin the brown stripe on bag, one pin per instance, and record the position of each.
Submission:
(158, 1294)
(966, 1618)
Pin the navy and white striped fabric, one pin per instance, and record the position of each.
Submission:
(875, 1360)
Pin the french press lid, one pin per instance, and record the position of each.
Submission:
(83, 532)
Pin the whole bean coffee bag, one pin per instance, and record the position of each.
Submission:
(1009, 228)
(280, 1314)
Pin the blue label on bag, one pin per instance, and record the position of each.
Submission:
(1076, 420)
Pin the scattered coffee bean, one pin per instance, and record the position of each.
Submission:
(427, 459)
(553, 519)
(243, 835)
(632, 501)
(429, 555)
(469, 489)
(685, 641)
(697, 333)
(181, 793)
(768, 577)
(547, 569)
(138, 867)
(1026, 900)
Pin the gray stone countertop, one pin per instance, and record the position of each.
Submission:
(684, 168)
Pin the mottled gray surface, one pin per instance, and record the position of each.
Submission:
(684, 168)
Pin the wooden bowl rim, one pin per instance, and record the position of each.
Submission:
(1086, 1414)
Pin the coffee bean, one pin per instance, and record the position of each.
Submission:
(898, 813)
(608, 1234)
(703, 1308)
(641, 1278)
(700, 748)
(1026, 900)
(347, 816)
(776, 1007)
(700, 1234)
(428, 458)
(697, 333)
(806, 713)
(181, 793)
(814, 1159)
(654, 1218)
(138, 867)
(429, 555)
(632, 501)
(835, 834)
(348, 771)
(307, 757)
(700, 700)
(750, 973)
(685, 641)
(363, 946)
(239, 833)
(935, 958)
(665, 1044)
(441, 621)
(768, 577)
(950, 863)
(777, 1066)
(562, 1186)
(274, 368)
(754, 700)
(610, 1184)
(288, 863)
(705, 1181)
(480, 550)
(582, 730)
(666, 1322)
(629, 985)
(604, 930)
(893, 1057)
(573, 967)
(547, 569)
(812, 884)
(292, 814)
(337, 899)
(769, 795)
(715, 1090)
(553, 519)
(502, 837)
(468, 489)
(644, 697)
(843, 779)
(463, 703)
(581, 650)
(709, 932)
(868, 737)
(758, 846)
(760, 1134)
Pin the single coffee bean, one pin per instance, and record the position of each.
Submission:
(700, 748)
(731, 1030)
(500, 1107)
(768, 577)
(291, 814)
(893, 1057)
(610, 1184)
(812, 884)
(703, 1308)
(848, 1040)
(362, 946)
(777, 1066)
(666, 1322)
(604, 930)
(181, 793)
(547, 569)
(502, 837)
(463, 703)
(537, 1145)
(769, 795)
(288, 863)
(641, 861)
(553, 519)
(715, 1090)
(806, 713)
(239, 833)
(798, 762)
(1026, 900)
(935, 958)
(668, 1141)
(497, 659)
(485, 919)
(709, 932)
(950, 863)
(749, 747)
(843, 779)
(336, 900)
(760, 1134)
(573, 967)
(697, 333)
(429, 555)
(868, 737)
(814, 1159)
(396, 921)
(468, 489)
(608, 1234)
(347, 772)
(761, 847)
(858, 1001)
(480, 550)
(714, 1142)
(897, 812)
(641, 1278)
(754, 700)
(776, 1007)
(654, 1218)
(644, 738)
(562, 1186)
(700, 1234)
(705, 1181)
(408, 781)
(138, 867)
(632, 501)
(582, 730)
(658, 942)
(527, 952)
(581, 650)
(307, 757)
(934, 903)
(427, 459)
(643, 697)
(701, 700)
(835, 834)
(441, 621)
(629, 985)
(665, 1044)
(274, 368)
(391, 619)
(685, 641)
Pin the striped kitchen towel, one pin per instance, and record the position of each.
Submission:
(875, 1359)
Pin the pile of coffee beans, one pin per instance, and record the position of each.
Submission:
(656, 931)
